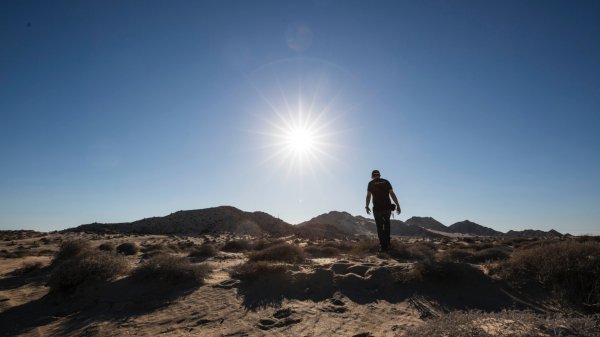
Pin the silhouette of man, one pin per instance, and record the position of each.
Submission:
(381, 190)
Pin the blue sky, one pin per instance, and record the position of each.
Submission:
(479, 110)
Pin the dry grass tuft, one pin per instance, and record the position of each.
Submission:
(171, 270)
(321, 251)
(237, 246)
(84, 267)
(70, 249)
(203, 251)
(282, 252)
(107, 247)
(127, 248)
(570, 269)
(254, 270)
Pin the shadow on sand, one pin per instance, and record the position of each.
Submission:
(116, 301)
(461, 288)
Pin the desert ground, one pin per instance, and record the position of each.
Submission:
(82, 284)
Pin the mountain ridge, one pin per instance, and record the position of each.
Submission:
(333, 224)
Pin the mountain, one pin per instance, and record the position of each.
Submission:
(334, 223)
(344, 222)
(331, 225)
(427, 223)
(533, 233)
(215, 219)
(469, 227)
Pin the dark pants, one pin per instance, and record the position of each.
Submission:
(382, 221)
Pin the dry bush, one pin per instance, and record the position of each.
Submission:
(321, 251)
(262, 244)
(506, 323)
(490, 254)
(87, 266)
(455, 255)
(202, 251)
(253, 270)
(480, 246)
(570, 269)
(282, 252)
(107, 247)
(70, 249)
(435, 271)
(127, 248)
(419, 251)
(237, 246)
(171, 270)
(344, 246)
(364, 247)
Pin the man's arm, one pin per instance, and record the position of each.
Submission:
(395, 200)
(368, 202)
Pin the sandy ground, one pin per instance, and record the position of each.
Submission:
(362, 303)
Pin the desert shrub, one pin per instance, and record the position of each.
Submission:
(86, 267)
(570, 269)
(170, 269)
(255, 269)
(127, 248)
(490, 254)
(455, 255)
(505, 323)
(70, 249)
(262, 244)
(202, 251)
(344, 246)
(107, 247)
(321, 251)
(282, 252)
(237, 246)
(436, 271)
(363, 247)
(417, 251)
(480, 246)
(185, 245)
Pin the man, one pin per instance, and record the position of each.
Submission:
(381, 190)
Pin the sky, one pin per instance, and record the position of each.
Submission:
(113, 111)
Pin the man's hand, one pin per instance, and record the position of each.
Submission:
(398, 210)
(368, 209)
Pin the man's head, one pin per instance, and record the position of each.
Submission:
(375, 174)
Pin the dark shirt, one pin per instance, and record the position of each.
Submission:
(380, 189)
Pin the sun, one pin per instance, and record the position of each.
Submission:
(298, 139)
(301, 140)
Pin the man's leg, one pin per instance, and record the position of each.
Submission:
(379, 223)
(386, 228)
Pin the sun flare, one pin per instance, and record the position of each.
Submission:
(301, 140)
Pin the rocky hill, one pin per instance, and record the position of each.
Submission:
(533, 233)
(343, 221)
(469, 227)
(331, 225)
(215, 220)
(427, 223)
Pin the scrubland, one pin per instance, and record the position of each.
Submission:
(76, 284)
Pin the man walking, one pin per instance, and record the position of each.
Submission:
(381, 190)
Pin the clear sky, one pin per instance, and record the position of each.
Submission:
(113, 111)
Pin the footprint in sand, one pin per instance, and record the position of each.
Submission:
(282, 318)
(336, 305)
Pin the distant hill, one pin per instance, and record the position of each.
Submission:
(331, 225)
(215, 219)
(359, 225)
(427, 223)
(344, 222)
(469, 227)
(533, 233)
